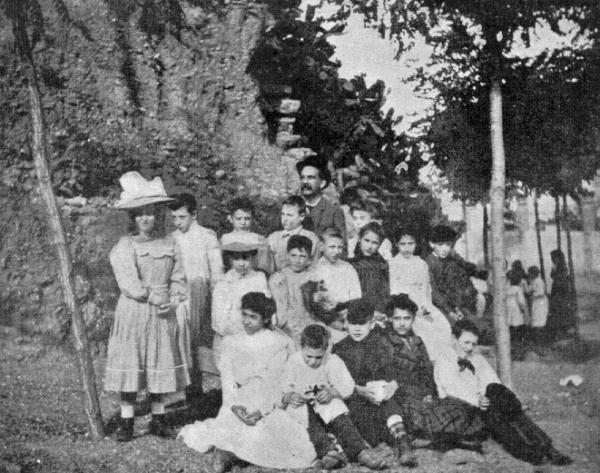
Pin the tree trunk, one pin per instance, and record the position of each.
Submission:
(557, 221)
(497, 195)
(538, 234)
(39, 151)
(588, 215)
(486, 242)
(572, 290)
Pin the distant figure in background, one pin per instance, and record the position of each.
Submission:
(516, 307)
(539, 304)
(517, 270)
(561, 316)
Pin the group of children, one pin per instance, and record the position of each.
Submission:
(312, 344)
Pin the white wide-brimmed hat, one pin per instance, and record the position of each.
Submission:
(138, 192)
(241, 242)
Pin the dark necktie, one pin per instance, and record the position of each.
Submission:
(464, 363)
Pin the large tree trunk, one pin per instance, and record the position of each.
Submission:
(557, 221)
(497, 195)
(572, 290)
(538, 233)
(39, 150)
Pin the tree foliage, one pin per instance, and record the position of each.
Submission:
(339, 118)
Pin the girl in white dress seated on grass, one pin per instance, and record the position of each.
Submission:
(251, 426)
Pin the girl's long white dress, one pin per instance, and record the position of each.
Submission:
(411, 276)
(251, 367)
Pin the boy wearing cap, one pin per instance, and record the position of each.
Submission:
(293, 213)
(241, 216)
(239, 250)
(452, 290)
(374, 409)
(286, 287)
(314, 178)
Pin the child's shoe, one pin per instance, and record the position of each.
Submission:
(557, 458)
(371, 459)
(159, 427)
(124, 432)
(222, 461)
(405, 453)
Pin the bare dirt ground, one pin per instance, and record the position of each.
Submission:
(42, 425)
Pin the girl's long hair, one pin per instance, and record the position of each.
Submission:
(160, 228)
(372, 227)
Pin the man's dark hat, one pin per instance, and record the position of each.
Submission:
(442, 234)
(318, 162)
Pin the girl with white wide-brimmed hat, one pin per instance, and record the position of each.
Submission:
(143, 348)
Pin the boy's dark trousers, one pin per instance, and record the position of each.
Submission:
(371, 419)
(344, 430)
(511, 428)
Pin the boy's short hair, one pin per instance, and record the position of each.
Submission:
(330, 232)
(315, 336)
(295, 201)
(299, 242)
(442, 234)
(360, 312)
(350, 195)
(241, 203)
(465, 325)
(183, 200)
(261, 304)
(371, 207)
(402, 302)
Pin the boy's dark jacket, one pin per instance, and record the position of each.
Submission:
(384, 355)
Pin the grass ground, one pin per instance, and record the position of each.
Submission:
(42, 426)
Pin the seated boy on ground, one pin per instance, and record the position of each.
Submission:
(467, 376)
(293, 213)
(444, 421)
(316, 381)
(373, 407)
(286, 288)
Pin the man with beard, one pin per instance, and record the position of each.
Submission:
(314, 178)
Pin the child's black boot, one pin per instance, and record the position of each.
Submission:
(124, 432)
(158, 426)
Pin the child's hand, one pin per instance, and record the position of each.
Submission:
(325, 395)
(293, 399)
(426, 314)
(248, 419)
(254, 417)
(456, 315)
(428, 399)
